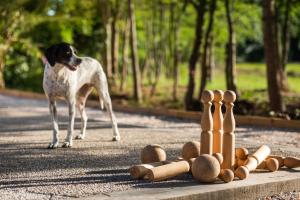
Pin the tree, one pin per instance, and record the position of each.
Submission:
(175, 20)
(283, 45)
(205, 62)
(200, 11)
(7, 36)
(105, 9)
(286, 33)
(124, 54)
(158, 48)
(115, 38)
(272, 55)
(230, 63)
(11, 25)
(134, 54)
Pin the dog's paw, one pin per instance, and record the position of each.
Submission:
(53, 145)
(66, 145)
(116, 138)
(79, 137)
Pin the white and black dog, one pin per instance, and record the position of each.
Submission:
(73, 78)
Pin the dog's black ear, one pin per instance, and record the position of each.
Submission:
(51, 54)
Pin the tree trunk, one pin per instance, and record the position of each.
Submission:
(285, 47)
(134, 54)
(146, 64)
(106, 19)
(173, 44)
(207, 45)
(200, 8)
(160, 50)
(211, 60)
(114, 49)
(125, 55)
(230, 67)
(286, 34)
(272, 56)
(115, 40)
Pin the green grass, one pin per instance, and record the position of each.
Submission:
(251, 82)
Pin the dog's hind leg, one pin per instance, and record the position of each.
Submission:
(53, 112)
(102, 90)
(82, 96)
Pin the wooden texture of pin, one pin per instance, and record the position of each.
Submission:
(218, 122)
(228, 136)
(206, 146)
(253, 161)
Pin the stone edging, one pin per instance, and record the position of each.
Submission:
(194, 116)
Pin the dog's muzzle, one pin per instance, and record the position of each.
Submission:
(74, 66)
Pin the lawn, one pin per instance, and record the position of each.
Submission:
(251, 82)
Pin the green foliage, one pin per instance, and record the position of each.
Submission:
(34, 25)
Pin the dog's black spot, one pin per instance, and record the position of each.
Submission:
(51, 54)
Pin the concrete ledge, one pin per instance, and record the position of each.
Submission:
(194, 116)
(259, 184)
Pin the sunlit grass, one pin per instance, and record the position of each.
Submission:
(251, 82)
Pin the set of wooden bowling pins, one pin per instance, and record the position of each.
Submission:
(216, 156)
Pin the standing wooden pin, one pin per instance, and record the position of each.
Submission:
(206, 146)
(218, 122)
(228, 136)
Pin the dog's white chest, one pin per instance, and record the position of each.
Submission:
(59, 82)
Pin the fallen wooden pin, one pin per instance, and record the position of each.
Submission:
(170, 170)
(139, 171)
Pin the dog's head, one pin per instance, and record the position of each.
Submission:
(63, 53)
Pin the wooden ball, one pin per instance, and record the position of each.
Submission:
(272, 164)
(242, 172)
(226, 175)
(206, 168)
(190, 150)
(219, 157)
(241, 153)
(153, 153)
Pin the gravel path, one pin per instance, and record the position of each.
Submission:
(96, 165)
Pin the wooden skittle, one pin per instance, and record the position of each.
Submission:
(279, 158)
(253, 161)
(218, 122)
(270, 164)
(206, 146)
(139, 171)
(170, 170)
(292, 162)
(228, 136)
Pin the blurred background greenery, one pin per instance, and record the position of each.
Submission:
(165, 29)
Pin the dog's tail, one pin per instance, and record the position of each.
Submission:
(101, 103)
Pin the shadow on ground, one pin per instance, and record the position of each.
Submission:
(43, 122)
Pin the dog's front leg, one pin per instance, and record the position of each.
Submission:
(69, 142)
(53, 112)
